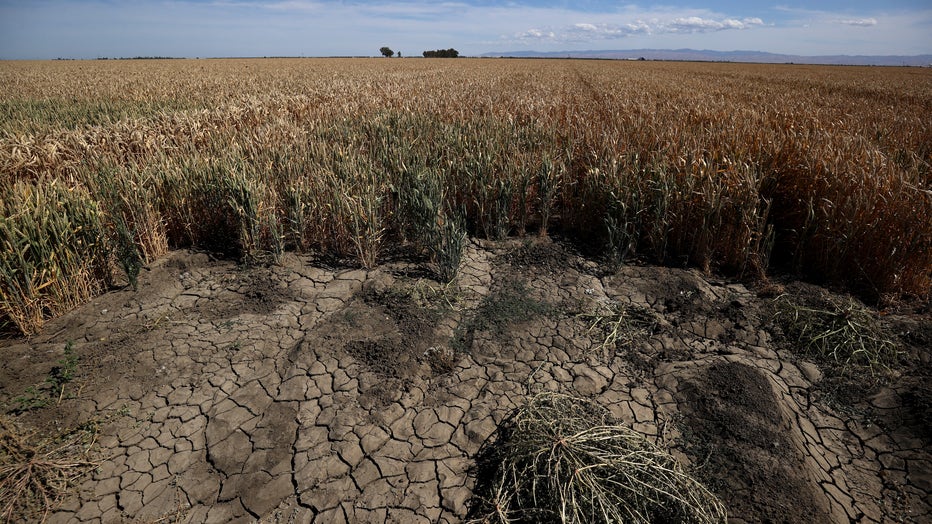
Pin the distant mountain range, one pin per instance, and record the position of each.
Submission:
(725, 56)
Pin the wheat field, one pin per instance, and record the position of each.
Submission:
(738, 169)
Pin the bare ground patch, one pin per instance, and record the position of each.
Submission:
(325, 394)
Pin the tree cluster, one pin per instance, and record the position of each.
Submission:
(442, 53)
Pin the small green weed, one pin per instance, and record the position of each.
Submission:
(33, 398)
(227, 325)
(53, 389)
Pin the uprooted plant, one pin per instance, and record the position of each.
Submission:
(563, 459)
(36, 473)
(618, 324)
(838, 329)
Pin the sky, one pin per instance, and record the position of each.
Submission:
(46, 29)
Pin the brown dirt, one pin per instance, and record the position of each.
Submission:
(735, 428)
(305, 393)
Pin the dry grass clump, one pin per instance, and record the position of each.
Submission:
(563, 459)
(616, 324)
(840, 330)
(35, 474)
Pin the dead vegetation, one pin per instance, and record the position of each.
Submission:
(619, 325)
(839, 330)
(563, 459)
(36, 473)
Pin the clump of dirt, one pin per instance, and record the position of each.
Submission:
(256, 292)
(917, 410)
(910, 381)
(386, 358)
(737, 432)
(411, 320)
(508, 304)
(541, 257)
(401, 349)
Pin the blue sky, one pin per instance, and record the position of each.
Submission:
(93, 28)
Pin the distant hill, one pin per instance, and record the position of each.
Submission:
(725, 56)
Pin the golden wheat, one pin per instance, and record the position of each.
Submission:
(825, 170)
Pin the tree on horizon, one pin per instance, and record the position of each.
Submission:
(442, 53)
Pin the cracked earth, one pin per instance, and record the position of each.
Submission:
(301, 393)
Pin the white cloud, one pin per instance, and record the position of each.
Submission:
(536, 34)
(810, 32)
(585, 31)
(860, 22)
(695, 24)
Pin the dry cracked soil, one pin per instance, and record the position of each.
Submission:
(306, 393)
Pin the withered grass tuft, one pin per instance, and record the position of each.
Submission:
(839, 330)
(36, 473)
(563, 459)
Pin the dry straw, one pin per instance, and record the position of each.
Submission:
(564, 459)
(35, 473)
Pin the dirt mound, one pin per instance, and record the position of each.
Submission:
(750, 452)
(306, 393)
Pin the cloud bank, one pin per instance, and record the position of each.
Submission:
(860, 22)
(587, 32)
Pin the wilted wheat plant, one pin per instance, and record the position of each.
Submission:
(105, 166)
(564, 459)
